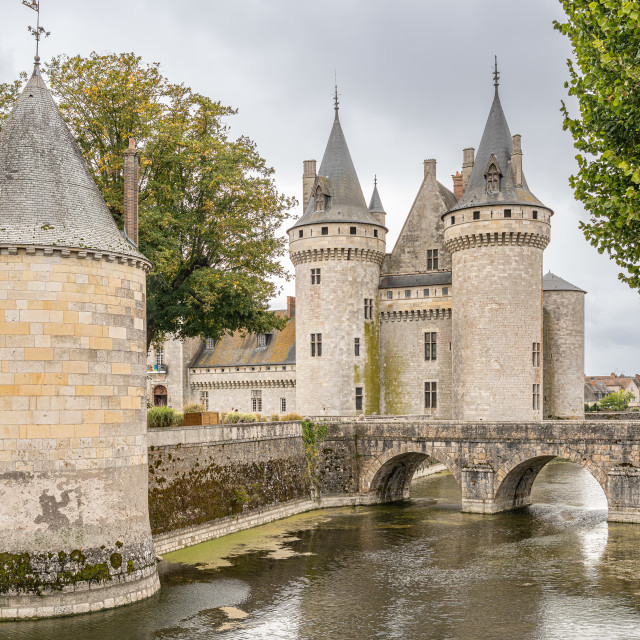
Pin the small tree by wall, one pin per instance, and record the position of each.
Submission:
(618, 401)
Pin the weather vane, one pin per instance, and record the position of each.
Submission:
(496, 75)
(335, 97)
(38, 32)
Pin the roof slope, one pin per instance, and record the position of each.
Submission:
(241, 349)
(346, 201)
(47, 195)
(375, 204)
(496, 140)
(552, 282)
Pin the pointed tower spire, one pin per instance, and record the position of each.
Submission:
(375, 204)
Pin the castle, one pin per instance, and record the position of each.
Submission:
(456, 322)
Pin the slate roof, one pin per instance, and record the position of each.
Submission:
(589, 393)
(415, 279)
(243, 350)
(47, 196)
(496, 140)
(552, 282)
(375, 205)
(346, 202)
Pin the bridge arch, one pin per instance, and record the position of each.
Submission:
(514, 480)
(389, 474)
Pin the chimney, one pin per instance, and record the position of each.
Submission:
(430, 168)
(613, 375)
(516, 160)
(131, 171)
(457, 185)
(467, 165)
(291, 306)
(308, 178)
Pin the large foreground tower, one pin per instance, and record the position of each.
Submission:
(74, 524)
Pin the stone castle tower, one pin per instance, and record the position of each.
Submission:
(74, 523)
(337, 247)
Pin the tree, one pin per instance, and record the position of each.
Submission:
(617, 401)
(209, 210)
(605, 78)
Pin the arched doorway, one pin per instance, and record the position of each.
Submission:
(160, 396)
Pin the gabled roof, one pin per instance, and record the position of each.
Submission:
(346, 203)
(496, 140)
(427, 279)
(552, 282)
(47, 195)
(375, 205)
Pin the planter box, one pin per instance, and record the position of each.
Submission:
(201, 418)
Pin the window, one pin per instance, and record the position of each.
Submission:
(204, 400)
(262, 340)
(536, 354)
(375, 233)
(536, 397)
(356, 346)
(368, 308)
(300, 233)
(507, 213)
(476, 215)
(430, 339)
(426, 293)
(535, 215)
(319, 199)
(210, 344)
(407, 293)
(358, 398)
(453, 219)
(493, 178)
(325, 231)
(445, 291)
(160, 356)
(432, 259)
(315, 276)
(389, 295)
(283, 405)
(316, 344)
(352, 231)
(430, 395)
(256, 400)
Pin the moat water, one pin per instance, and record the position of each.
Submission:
(419, 569)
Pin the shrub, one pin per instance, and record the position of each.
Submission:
(193, 408)
(291, 416)
(163, 417)
(235, 416)
(274, 417)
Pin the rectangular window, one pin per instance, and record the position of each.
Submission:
(536, 354)
(262, 340)
(300, 233)
(389, 295)
(315, 276)
(352, 231)
(358, 398)
(283, 405)
(430, 350)
(535, 215)
(536, 397)
(432, 259)
(325, 231)
(375, 233)
(453, 219)
(316, 344)
(445, 291)
(256, 401)
(356, 346)
(368, 308)
(430, 395)
(204, 400)
(476, 215)
(507, 213)
(407, 293)
(211, 344)
(160, 356)
(426, 293)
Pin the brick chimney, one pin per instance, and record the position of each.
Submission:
(516, 159)
(131, 177)
(457, 185)
(291, 306)
(468, 161)
(308, 178)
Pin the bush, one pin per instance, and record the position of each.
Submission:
(163, 417)
(274, 417)
(193, 408)
(291, 416)
(618, 401)
(235, 416)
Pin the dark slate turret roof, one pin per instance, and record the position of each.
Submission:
(496, 140)
(552, 282)
(375, 205)
(47, 195)
(346, 201)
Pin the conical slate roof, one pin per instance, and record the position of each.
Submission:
(375, 205)
(496, 140)
(47, 195)
(552, 282)
(337, 174)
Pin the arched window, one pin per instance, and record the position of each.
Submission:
(319, 199)
(493, 178)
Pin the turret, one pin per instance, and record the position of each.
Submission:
(375, 205)
(496, 234)
(337, 247)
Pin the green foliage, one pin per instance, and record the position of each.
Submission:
(605, 77)
(163, 417)
(289, 417)
(193, 408)
(313, 433)
(234, 417)
(617, 401)
(209, 208)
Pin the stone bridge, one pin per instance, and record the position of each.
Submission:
(495, 463)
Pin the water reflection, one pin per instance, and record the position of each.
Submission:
(412, 570)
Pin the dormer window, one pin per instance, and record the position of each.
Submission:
(319, 199)
(492, 175)
(210, 344)
(262, 340)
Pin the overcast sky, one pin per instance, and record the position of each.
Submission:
(415, 82)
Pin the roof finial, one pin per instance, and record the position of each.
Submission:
(37, 33)
(496, 75)
(375, 180)
(335, 97)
